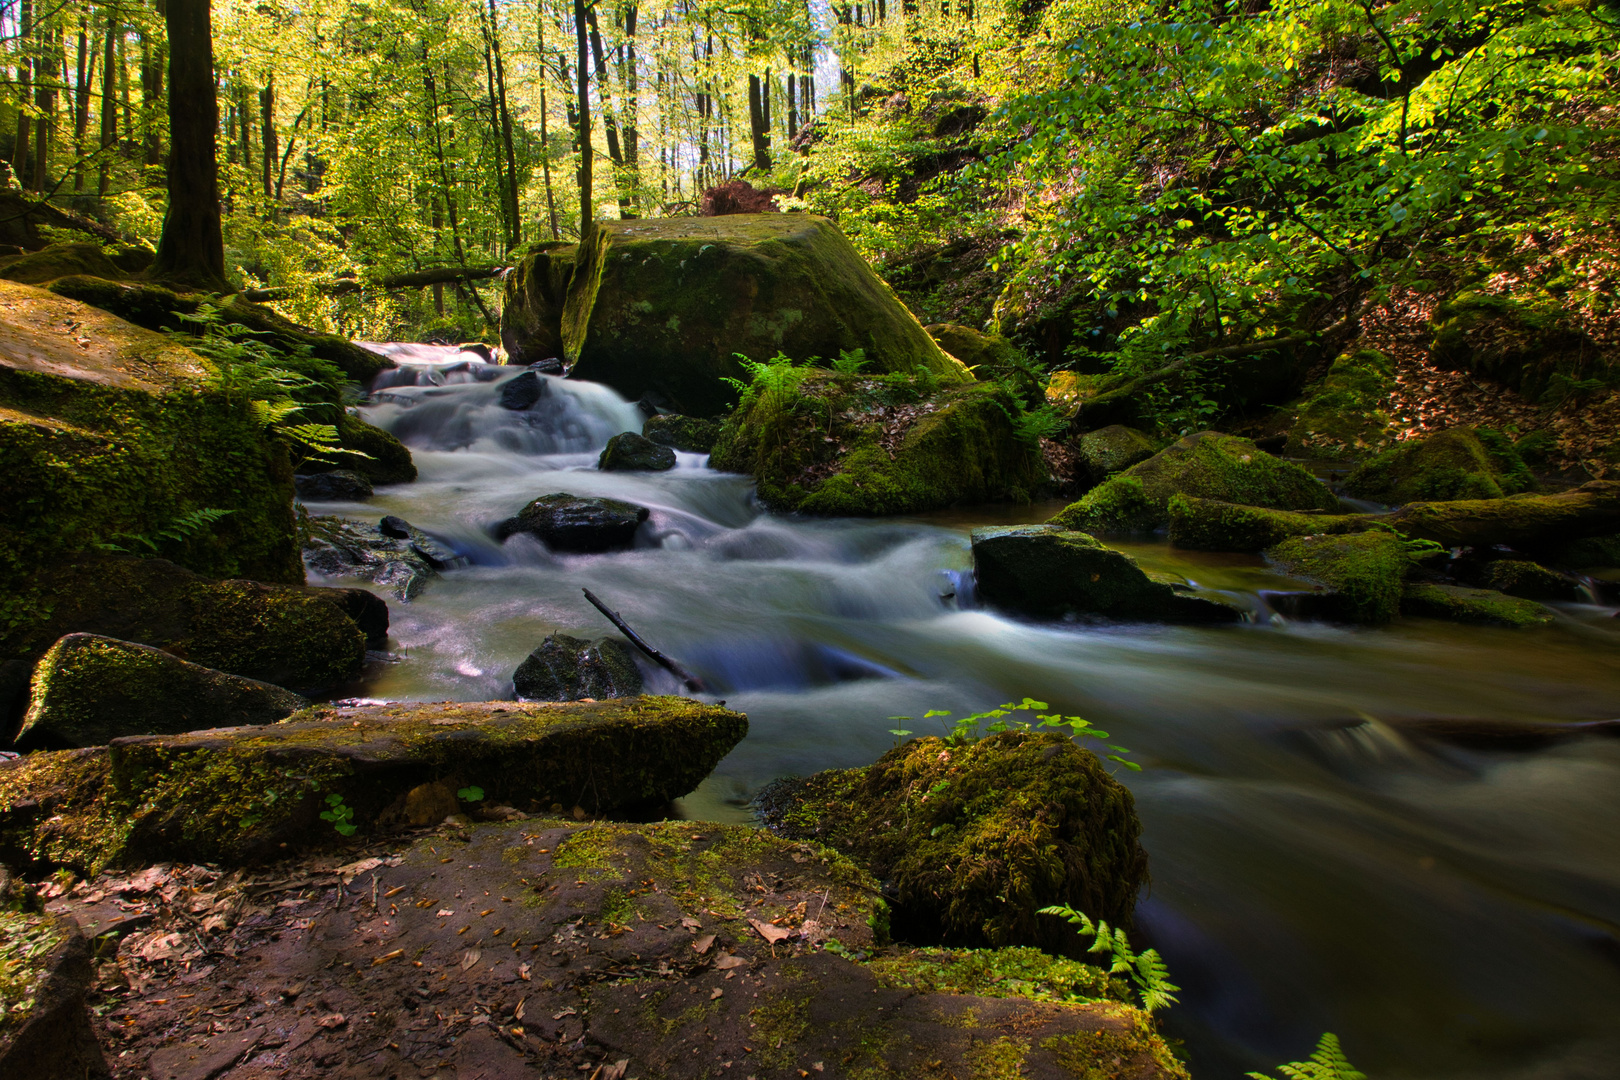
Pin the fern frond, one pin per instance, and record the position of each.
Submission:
(1327, 1062)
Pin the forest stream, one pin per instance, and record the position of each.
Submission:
(1374, 832)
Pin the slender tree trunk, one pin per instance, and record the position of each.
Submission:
(192, 248)
(152, 101)
(25, 88)
(244, 124)
(124, 95)
(506, 126)
(793, 105)
(632, 95)
(109, 104)
(501, 175)
(609, 122)
(86, 71)
(587, 208)
(759, 124)
(45, 76)
(545, 134)
(267, 138)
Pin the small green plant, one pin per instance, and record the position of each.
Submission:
(341, 817)
(177, 531)
(1045, 422)
(1145, 969)
(472, 793)
(966, 729)
(780, 374)
(1326, 1063)
(850, 361)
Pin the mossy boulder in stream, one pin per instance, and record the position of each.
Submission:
(665, 305)
(1363, 572)
(532, 303)
(567, 668)
(1051, 572)
(973, 839)
(1342, 416)
(853, 445)
(241, 794)
(576, 523)
(1460, 463)
(1212, 525)
(1207, 464)
(629, 452)
(1113, 449)
(89, 690)
(692, 434)
(1483, 606)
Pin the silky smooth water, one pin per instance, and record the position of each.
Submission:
(1449, 912)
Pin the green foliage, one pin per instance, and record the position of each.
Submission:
(1146, 970)
(850, 361)
(967, 729)
(473, 793)
(177, 531)
(1326, 1063)
(781, 374)
(339, 815)
(1045, 422)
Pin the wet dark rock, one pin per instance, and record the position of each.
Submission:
(339, 485)
(478, 349)
(46, 1031)
(1050, 572)
(522, 392)
(575, 523)
(1528, 580)
(532, 304)
(551, 365)
(629, 452)
(567, 668)
(368, 610)
(339, 548)
(89, 690)
(1485, 607)
(440, 556)
(689, 433)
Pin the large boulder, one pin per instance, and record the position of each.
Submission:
(58, 260)
(974, 838)
(293, 636)
(46, 1032)
(1526, 341)
(567, 668)
(1207, 464)
(667, 305)
(692, 434)
(368, 450)
(974, 348)
(629, 452)
(1361, 573)
(241, 794)
(89, 690)
(867, 445)
(576, 523)
(1342, 415)
(1050, 572)
(1113, 449)
(532, 303)
(1460, 463)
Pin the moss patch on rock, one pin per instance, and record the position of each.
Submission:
(1482, 606)
(1364, 570)
(690, 433)
(368, 450)
(58, 260)
(1524, 340)
(665, 305)
(1113, 449)
(1460, 463)
(974, 348)
(1211, 525)
(1207, 464)
(1529, 581)
(1017, 971)
(868, 445)
(1342, 416)
(974, 839)
(532, 303)
(1051, 572)
(89, 690)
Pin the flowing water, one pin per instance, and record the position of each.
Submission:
(1317, 864)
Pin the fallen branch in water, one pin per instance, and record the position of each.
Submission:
(693, 683)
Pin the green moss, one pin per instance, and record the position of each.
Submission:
(1525, 341)
(1530, 581)
(58, 260)
(663, 305)
(378, 456)
(1209, 465)
(1460, 463)
(1343, 416)
(974, 348)
(1114, 448)
(1017, 972)
(973, 839)
(1482, 606)
(866, 445)
(687, 433)
(781, 1020)
(1000, 1059)
(532, 303)
(589, 849)
(1211, 525)
(1118, 1053)
(26, 943)
(1364, 571)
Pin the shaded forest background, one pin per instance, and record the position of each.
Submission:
(1210, 202)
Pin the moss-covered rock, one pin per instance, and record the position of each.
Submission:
(974, 348)
(1051, 572)
(58, 260)
(629, 452)
(1588, 553)
(1459, 463)
(1211, 525)
(665, 305)
(1364, 571)
(89, 690)
(567, 668)
(868, 445)
(1207, 464)
(1113, 449)
(1524, 340)
(532, 303)
(1525, 522)
(1528, 580)
(239, 794)
(1483, 606)
(973, 839)
(1342, 415)
(376, 454)
(291, 636)
(45, 977)
(689, 433)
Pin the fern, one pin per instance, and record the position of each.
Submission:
(850, 361)
(177, 531)
(779, 374)
(1033, 425)
(1326, 1063)
(1145, 969)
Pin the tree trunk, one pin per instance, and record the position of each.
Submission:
(45, 101)
(759, 125)
(793, 105)
(506, 127)
(109, 103)
(25, 86)
(501, 175)
(152, 103)
(267, 139)
(587, 209)
(545, 133)
(86, 72)
(192, 249)
(632, 137)
(609, 122)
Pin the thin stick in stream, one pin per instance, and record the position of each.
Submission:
(693, 683)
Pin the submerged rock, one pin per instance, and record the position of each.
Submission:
(689, 433)
(667, 304)
(243, 794)
(339, 485)
(629, 452)
(1207, 464)
(89, 690)
(1363, 571)
(1050, 572)
(45, 1026)
(339, 548)
(867, 445)
(1484, 606)
(1111, 449)
(1458, 464)
(522, 392)
(974, 839)
(567, 668)
(577, 523)
(439, 555)
(1342, 416)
